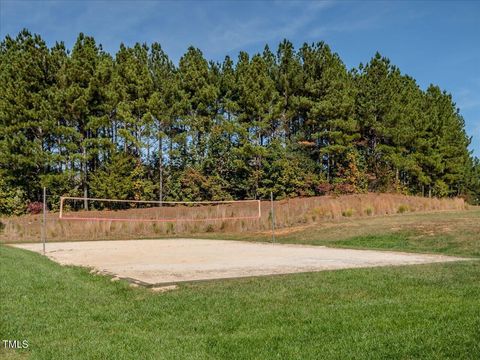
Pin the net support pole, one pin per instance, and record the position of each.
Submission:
(273, 217)
(60, 214)
(85, 201)
(44, 219)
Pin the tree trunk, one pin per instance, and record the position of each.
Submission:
(328, 168)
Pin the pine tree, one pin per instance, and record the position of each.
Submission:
(83, 108)
(290, 80)
(331, 130)
(26, 123)
(297, 123)
(123, 176)
(258, 111)
(162, 106)
(134, 86)
(199, 103)
(375, 96)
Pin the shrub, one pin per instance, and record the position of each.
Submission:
(347, 213)
(320, 212)
(324, 188)
(156, 228)
(341, 189)
(12, 199)
(402, 208)
(210, 228)
(170, 228)
(369, 211)
(35, 207)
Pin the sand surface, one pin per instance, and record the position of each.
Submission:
(177, 260)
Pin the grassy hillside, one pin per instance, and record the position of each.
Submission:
(454, 232)
(424, 311)
(288, 213)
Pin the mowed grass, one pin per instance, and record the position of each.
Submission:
(446, 232)
(449, 233)
(405, 312)
(429, 311)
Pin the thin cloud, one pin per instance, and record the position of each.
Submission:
(233, 34)
(468, 99)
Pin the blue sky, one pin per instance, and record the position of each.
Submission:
(435, 42)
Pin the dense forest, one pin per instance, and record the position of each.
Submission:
(293, 121)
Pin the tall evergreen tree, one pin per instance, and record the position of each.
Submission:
(81, 98)
(162, 106)
(134, 86)
(26, 122)
(199, 102)
(291, 122)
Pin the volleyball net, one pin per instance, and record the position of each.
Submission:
(94, 209)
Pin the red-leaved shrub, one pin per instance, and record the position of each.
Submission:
(344, 189)
(324, 188)
(35, 207)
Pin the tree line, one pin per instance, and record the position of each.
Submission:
(295, 121)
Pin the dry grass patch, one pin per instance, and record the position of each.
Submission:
(288, 213)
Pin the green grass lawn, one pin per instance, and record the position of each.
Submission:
(449, 233)
(406, 312)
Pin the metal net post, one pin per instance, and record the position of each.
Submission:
(273, 217)
(44, 219)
